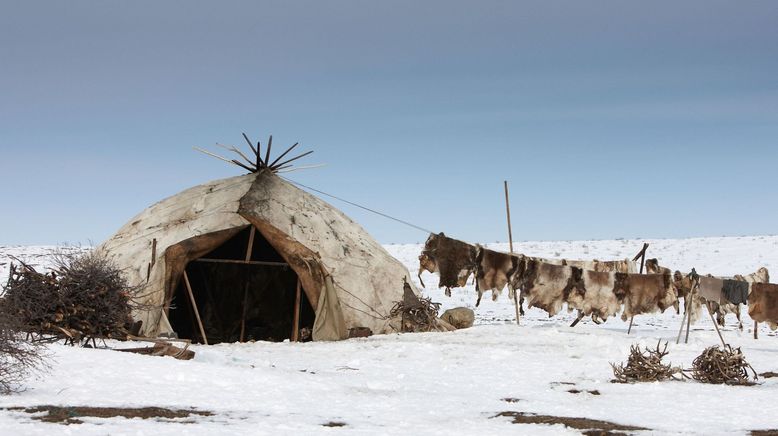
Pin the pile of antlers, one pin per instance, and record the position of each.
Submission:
(645, 366)
(418, 314)
(722, 366)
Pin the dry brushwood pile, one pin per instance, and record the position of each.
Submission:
(18, 357)
(85, 299)
(33, 299)
(418, 314)
(645, 366)
(722, 366)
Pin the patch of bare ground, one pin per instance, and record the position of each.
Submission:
(578, 391)
(587, 426)
(768, 374)
(764, 433)
(334, 424)
(71, 415)
(512, 400)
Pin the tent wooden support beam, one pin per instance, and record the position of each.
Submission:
(296, 317)
(243, 262)
(250, 247)
(249, 250)
(194, 307)
(243, 316)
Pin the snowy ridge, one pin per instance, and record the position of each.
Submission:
(435, 383)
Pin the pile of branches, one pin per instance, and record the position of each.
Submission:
(418, 314)
(18, 357)
(86, 298)
(32, 299)
(722, 366)
(645, 366)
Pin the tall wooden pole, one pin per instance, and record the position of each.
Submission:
(510, 244)
(642, 256)
(194, 307)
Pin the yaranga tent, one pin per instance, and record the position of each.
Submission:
(240, 249)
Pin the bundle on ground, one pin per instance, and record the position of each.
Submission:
(86, 298)
(96, 297)
(32, 299)
(417, 314)
(722, 366)
(645, 366)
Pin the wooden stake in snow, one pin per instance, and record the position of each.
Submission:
(510, 244)
(687, 316)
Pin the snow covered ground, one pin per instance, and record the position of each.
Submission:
(436, 383)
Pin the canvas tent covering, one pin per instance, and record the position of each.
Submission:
(347, 278)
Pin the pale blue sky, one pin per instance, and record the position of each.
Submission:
(609, 118)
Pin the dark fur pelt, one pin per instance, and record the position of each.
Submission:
(455, 259)
(736, 292)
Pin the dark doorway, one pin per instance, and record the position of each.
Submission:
(244, 291)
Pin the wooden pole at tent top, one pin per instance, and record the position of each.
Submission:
(510, 245)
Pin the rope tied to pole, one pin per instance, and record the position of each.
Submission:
(360, 206)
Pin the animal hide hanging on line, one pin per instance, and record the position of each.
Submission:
(735, 291)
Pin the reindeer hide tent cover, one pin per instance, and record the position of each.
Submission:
(347, 277)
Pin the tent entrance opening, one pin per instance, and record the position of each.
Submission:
(243, 291)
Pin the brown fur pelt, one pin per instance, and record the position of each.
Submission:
(545, 285)
(595, 296)
(623, 266)
(763, 303)
(453, 260)
(493, 271)
(762, 275)
(652, 267)
(721, 308)
(646, 293)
